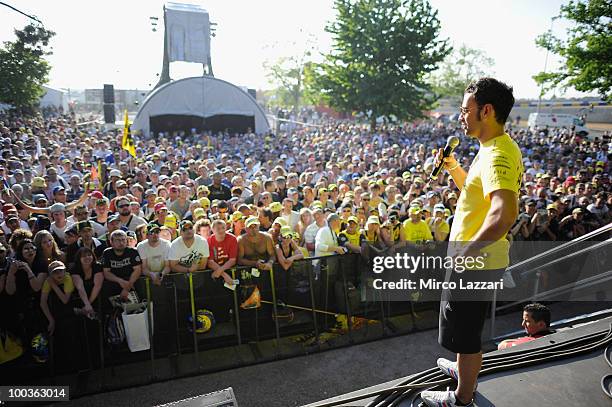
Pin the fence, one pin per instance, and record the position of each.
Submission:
(315, 305)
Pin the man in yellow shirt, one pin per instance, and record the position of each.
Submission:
(487, 208)
(415, 229)
(438, 226)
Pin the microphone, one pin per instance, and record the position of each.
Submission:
(451, 144)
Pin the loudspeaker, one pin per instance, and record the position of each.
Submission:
(252, 92)
(109, 93)
(109, 113)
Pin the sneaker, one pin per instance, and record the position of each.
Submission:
(449, 368)
(441, 399)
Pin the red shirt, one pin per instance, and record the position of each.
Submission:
(221, 252)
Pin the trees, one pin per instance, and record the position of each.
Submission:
(586, 52)
(23, 69)
(382, 51)
(287, 73)
(458, 69)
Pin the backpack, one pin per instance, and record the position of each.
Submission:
(115, 332)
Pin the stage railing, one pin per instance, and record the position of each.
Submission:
(571, 270)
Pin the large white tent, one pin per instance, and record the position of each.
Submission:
(204, 103)
(55, 98)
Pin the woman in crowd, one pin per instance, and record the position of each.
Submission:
(306, 219)
(24, 281)
(47, 250)
(56, 306)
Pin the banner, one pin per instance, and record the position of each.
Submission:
(127, 143)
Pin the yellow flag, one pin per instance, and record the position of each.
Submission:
(128, 142)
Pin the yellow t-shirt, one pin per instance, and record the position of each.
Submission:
(345, 237)
(67, 283)
(443, 226)
(498, 165)
(416, 231)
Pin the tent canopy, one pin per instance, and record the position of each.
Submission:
(203, 103)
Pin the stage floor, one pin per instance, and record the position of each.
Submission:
(569, 382)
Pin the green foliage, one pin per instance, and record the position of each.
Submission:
(23, 69)
(460, 68)
(587, 51)
(382, 51)
(289, 76)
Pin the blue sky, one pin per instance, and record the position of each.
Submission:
(111, 41)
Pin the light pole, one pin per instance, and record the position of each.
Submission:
(552, 20)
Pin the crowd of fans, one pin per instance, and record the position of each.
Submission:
(82, 219)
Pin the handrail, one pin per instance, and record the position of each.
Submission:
(585, 283)
(572, 254)
(597, 232)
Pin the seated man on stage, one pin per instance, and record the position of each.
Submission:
(536, 322)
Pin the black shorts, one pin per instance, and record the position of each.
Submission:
(461, 322)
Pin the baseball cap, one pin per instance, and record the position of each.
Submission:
(58, 189)
(577, 210)
(83, 225)
(373, 220)
(57, 207)
(111, 219)
(56, 266)
(39, 182)
(159, 206)
(121, 183)
(115, 173)
(280, 221)
(152, 227)
(96, 195)
(286, 231)
(251, 220)
(275, 207)
(551, 206)
(414, 209)
(38, 197)
(353, 219)
(199, 213)
(186, 224)
(237, 216)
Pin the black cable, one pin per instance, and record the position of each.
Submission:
(491, 364)
(487, 360)
(529, 360)
(21, 12)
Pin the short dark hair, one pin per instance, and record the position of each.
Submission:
(490, 90)
(538, 312)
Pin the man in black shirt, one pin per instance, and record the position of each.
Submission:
(122, 264)
(218, 190)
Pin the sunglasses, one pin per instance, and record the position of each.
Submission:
(184, 228)
(123, 206)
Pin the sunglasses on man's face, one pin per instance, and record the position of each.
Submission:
(123, 205)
